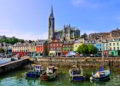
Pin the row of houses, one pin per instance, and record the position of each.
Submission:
(42, 47)
(60, 47)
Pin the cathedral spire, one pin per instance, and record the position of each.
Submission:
(52, 15)
(51, 25)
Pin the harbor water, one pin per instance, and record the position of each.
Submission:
(17, 78)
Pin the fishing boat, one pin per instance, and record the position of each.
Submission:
(76, 74)
(36, 72)
(50, 74)
(101, 75)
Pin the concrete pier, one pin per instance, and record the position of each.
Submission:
(13, 65)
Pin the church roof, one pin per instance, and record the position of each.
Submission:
(57, 30)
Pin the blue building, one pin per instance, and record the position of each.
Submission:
(100, 47)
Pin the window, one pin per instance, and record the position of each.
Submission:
(114, 44)
(110, 44)
(106, 48)
(118, 44)
(117, 48)
(53, 44)
(114, 48)
(106, 44)
(110, 48)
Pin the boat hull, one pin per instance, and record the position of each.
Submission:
(106, 78)
(33, 74)
(77, 78)
(46, 77)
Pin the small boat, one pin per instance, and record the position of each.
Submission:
(101, 75)
(50, 74)
(37, 71)
(76, 74)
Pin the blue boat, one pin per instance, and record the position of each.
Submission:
(101, 75)
(33, 74)
(37, 71)
(76, 74)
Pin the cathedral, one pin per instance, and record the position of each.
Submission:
(67, 33)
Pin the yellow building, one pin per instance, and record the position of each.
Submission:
(114, 47)
(77, 43)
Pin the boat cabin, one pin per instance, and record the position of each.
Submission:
(38, 68)
(51, 69)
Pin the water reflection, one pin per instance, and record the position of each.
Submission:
(17, 79)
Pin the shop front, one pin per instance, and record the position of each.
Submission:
(106, 53)
(113, 53)
(52, 53)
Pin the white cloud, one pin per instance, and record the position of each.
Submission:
(25, 35)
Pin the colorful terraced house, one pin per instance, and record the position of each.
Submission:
(67, 47)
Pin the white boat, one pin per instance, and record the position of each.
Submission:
(101, 75)
(50, 74)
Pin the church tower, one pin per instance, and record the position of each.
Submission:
(51, 25)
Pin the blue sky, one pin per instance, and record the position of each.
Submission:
(28, 19)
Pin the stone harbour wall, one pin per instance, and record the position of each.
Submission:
(89, 62)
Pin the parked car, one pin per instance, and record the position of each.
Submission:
(92, 55)
(77, 55)
(111, 56)
(68, 55)
(71, 54)
(81, 55)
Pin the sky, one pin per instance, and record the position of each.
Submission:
(28, 19)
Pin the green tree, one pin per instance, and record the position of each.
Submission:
(11, 40)
(87, 49)
(83, 49)
(92, 49)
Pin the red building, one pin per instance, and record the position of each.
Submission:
(106, 52)
(56, 47)
(40, 47)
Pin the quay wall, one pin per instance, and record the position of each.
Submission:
(86, 62)
(10, 66)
